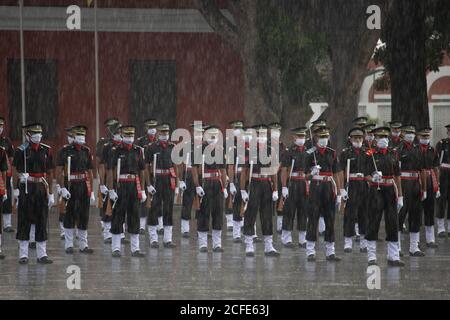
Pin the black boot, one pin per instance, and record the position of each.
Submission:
(44, 260)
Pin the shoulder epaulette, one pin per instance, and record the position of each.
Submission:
(331, 149)
(23, 146)
(45, 145)
(311, 150)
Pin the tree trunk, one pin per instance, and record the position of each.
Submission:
(407, 65)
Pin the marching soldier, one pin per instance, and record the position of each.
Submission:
(60, 156)
(295, 189)
(3, 186)
(33, 178)
(385, 196)
(353, 163)
(234, 170)
(443, 203)
(323, 165)
(275, 133)
(186, 184)
(210, 184)
(360, 122)
(430, 184)
(148, 139)
(395, 134)
(369, 139)
(76, 189)
(410, 166)
(6, 143)
(162, 180)
(125, 171)
(262, 193)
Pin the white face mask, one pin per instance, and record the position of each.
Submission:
(261, 139)
(151, 132)
(128, 140)
(369, 138)
(236, 132)
(383, 143)
(80, 139)
(164, 137)
(1, 129)
(247, 138)
(117, 137)
(70, 139)
(300, 141)
(36, 138)
(322, 142)
(395, 134)
(276, 134)
(425, 141)
(212, 140)
(409, 137)
(357, 145)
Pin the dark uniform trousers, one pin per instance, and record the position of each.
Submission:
(188, 197)
(7, 205)
(383, 200)
(162, 203)
(280, 194)
(428, 204)
(211, 206)
(412, 206)
(105, 217)
(356, 208)
(444, 200)
(33, 209)
(260, 200)
(237, 200)
(77, 211)
(297, 202)
(321, 204)
(126, 206)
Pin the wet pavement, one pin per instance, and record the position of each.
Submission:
(185, 273)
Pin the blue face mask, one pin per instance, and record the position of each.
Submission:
(382, 143)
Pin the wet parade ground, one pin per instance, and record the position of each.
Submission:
(185, 273)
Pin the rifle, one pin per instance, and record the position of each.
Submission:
(179, 197)
(245, 204)
(148, 203)
(197, 200)
(110, 206)
(230, 199)
(282, 200)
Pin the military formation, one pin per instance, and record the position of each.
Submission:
(388, 171)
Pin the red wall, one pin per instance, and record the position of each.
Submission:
(209, 78)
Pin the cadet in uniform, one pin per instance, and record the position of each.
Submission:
(353, 165)
(146, 140)
(262, 192)
(162, 180)
(210, 184)
(395, 134)
(33, 179)
(443, 203)
(6, 144)
(430, 184)
(410, 166)
(369, 139)
(3, 192)
(323, 165)
(76, 164)
(125, 171)
(295, 189)
(385, 196)
(60, 155)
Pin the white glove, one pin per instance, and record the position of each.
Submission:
(344, 194)
(16, 193)
(113, 195)
(151, 189)
(244, 195)
(338, 200)
(103, 189)
(23, 177)
(51, 200)
(92, 199)
(315, 170)
(424, 196)
(438, 194)
(233, 189)
(285, 192)
(5, 197)
(399, 203)
(65, 193)
(58, 189)
(200, 191)
(225, 193)
(143, 196)
(182, 185)
(275, 196)
(377, 176)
